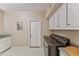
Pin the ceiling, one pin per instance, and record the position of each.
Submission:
(24, 6)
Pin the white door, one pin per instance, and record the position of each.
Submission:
(35, 34)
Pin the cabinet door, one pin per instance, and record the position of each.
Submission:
(5, 43)
(73, 15)
(51, 23)
(56, 20)
(62, 16)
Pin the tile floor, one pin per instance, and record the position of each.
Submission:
(23, 51)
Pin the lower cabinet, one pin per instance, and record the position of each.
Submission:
(5, 43)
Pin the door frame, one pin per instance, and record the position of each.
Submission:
(29, 35)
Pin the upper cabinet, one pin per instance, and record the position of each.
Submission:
(73, 15)
(55, 21)
(59, 18)
(62, 16)
(51, 24)
(52, 9)
(66, 17)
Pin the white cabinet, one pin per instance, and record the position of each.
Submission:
(55, 21)
(58, 20)
(62, 16)
(66, 17)
(73, 15)
(51, 24)
(5, 43)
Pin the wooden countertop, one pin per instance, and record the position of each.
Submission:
(72, 50)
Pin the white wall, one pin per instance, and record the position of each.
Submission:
(20, 38)
(1, 20)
